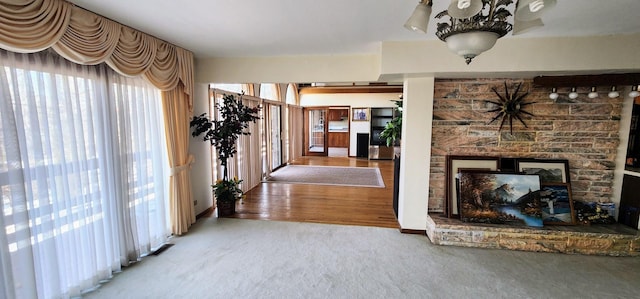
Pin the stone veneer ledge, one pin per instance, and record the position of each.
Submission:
(442, 231)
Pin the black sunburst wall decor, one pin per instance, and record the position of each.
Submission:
(509, 107)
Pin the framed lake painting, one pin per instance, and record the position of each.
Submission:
(557, 204)
(550, 171)
(500, 198)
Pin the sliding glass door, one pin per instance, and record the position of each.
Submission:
(275, 122)
(83, 174)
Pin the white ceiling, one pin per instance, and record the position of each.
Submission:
(232, 28)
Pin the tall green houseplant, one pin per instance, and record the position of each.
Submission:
(392, 130)
(223, 134)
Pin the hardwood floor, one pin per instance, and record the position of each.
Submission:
(324, 203)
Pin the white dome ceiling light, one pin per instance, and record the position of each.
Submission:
(573, 94)
(614, 93)
(634, 91)
(594, 93)
(554, 94)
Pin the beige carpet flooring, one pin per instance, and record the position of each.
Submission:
(235, 258)
(328, 175)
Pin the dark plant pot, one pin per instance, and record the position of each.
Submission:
(226, 208)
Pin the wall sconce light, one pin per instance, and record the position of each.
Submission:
(554, 94)
(613, 93)
(593, 94)
(634, 91)
(573, 94)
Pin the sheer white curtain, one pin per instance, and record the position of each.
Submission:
(82, 174)
(295, 131)
(249, 149)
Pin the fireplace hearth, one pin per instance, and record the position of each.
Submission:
(610, 239)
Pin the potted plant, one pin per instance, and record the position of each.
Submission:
(226, 193)
(223, 135)
(392, 130)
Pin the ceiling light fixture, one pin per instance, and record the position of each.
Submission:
(533, 9)
(554, 94)
(613, 93)
(474, 26)
(593, 94)
(634, 91)
(528, 14)
(573, 94)
(419, 19)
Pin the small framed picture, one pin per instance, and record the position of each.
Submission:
(359, 114)
(557, 204)
(550, 171)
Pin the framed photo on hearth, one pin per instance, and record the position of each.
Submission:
(453, 166)
(557, 204)
(550, 171)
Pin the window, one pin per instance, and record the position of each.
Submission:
(270, 91)
(235, 88)
(292, 94)
(83, 174)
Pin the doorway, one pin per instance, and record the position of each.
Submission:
(315, 131)
(338, 131)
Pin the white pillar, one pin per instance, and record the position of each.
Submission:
(415, 159)
(201, 168)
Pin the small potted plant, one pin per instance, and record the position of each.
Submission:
(226, 193)
(223, 135)
(392, 130)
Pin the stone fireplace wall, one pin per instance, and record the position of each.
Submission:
(584, 131)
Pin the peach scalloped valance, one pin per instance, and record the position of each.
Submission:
(83, 37)
(88, 39)
(28, 26)
(133, 54)
(163, 72)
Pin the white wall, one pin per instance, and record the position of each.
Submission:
(415, 158)
(285, 69)
(514, 57)
(201, 168)
(353, 100)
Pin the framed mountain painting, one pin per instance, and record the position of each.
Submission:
(500, 198)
